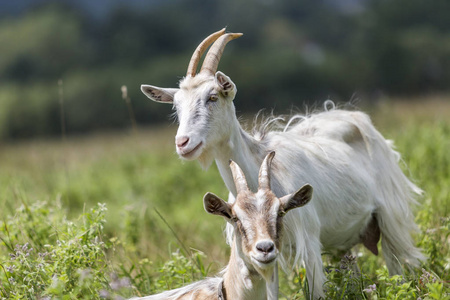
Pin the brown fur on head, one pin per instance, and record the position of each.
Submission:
(257, 217)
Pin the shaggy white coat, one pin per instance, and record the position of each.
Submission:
(354, 171)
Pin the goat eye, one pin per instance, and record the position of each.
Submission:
(213, 97)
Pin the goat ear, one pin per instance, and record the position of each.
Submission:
(216, 206)
(297, 199)
(158, 94)
(227, 87)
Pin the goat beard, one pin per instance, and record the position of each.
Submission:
(269, 274)
(205, 159)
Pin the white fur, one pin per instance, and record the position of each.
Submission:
(353, 169)
(206, 287)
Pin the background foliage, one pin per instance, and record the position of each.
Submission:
(293, 52)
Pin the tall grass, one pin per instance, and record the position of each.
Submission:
(56, 241)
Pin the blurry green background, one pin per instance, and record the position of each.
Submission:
(293, 52)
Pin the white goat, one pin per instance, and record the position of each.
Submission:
(257, 218)
(360, 189)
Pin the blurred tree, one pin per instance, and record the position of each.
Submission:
(407, 45)
(42, 44)
(293, 52)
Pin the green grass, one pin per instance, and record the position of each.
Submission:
(151, 233)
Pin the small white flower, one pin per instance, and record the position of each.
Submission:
(371, 288)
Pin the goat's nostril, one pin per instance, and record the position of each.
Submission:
(182, 141)
(265, 246)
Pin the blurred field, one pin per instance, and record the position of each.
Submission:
(132, 172)
(138, 174)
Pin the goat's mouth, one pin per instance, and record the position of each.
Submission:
(264, 261)
(189, 153)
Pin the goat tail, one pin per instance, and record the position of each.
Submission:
(396, 195)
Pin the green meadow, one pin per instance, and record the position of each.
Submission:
(110, 215)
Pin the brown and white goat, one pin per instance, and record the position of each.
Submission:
(257, 219)
(360, 191)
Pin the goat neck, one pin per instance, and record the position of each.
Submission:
(240, 147)
(241, 281)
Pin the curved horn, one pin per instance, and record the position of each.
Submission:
(239, 178)
(264, 172)
(192, 68)
(214, 54)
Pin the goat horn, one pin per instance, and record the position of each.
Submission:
(239, 178)
(192, 68)
(264, 172)
(214, 54)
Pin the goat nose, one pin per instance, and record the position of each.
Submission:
(182, 141)
(265, 246)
